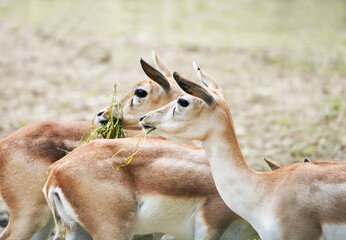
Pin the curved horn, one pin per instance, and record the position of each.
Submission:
(194, 89)
(155, 75)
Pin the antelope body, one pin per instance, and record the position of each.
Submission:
(26, 154)
(168, 187)
(301, 201)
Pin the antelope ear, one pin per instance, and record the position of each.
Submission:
(161, 66)
(272, 165)
(307, 160)
(194, 89)
(155, 75)
(205, 78)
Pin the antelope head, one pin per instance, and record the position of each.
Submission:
(198, 106)
(150, 94)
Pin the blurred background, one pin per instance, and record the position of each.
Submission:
(282, 64)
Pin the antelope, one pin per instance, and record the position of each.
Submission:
(142, 197)
(168, 187)
(26, 154)
(152, 93)
(301, 201)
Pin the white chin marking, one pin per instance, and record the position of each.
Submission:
(101, 119)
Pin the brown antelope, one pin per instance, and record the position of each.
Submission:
(26, 154)
(301, 201)
(143, 197)
(168, 187)
(151, 93)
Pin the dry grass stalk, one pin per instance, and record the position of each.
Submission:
(137, 149)
(113, 128)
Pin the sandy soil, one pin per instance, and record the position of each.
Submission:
(281, 65)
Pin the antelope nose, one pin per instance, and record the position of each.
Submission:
(100, 113)
(142, 118)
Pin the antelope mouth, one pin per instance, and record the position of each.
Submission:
(104, 122)
(147, 127)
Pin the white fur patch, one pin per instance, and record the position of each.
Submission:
(174, 216)
(63, 207)
(201, 229)
(333, 232)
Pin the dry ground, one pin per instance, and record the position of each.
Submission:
(282, 64)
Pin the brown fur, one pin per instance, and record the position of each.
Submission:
(295, 201)
(99, 194)
(24, 158)
(156, 98)
(26, 154)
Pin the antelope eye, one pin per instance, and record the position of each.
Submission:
(141, 93)
(183, 102)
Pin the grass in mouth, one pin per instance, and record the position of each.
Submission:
(111, 129)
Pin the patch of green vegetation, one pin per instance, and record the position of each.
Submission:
(201, 5)
(263, 114)
(336, 103)
(55, 82)
(302, 151)
(334, 109)
(65, 104)
(23, 124)
(283, 121)
(91, 93)
(262, 99)
(177, 25)
(286, 63)
(250, 134)
(283, 125)
(72, 83)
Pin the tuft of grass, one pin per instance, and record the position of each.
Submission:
(113, 128)
(336, 103)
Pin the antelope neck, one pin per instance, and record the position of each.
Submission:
(239, 186)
